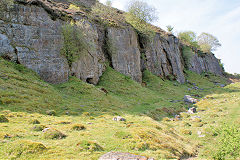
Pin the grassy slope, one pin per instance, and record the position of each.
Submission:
(23, 96)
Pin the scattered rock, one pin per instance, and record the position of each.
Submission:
(177, 117)
(122, 156)
(200, 135)
(50, 133)
(189, 99)
(219, 84)
(51, 113)
(192, 110)
(3, 119)
(119, 118)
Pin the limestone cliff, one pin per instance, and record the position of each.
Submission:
(31, 34)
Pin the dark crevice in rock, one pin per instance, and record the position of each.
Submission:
(90, 80)
(105, 48)
(169, 64)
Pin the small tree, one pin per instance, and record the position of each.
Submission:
(139, 15)
(170, 28)
(142, 11)
(189, 38)
(208, 42)
(109, 3)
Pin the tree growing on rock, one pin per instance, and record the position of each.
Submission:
(109, 3)
(208, 42)
(189, 37)
(140, 15)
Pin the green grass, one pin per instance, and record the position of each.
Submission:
(25, 99)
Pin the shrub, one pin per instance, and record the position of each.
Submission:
(89, 146)
(34, 121)
(187, 54)
(3, 119)
(25, 147)
(78, 127)
(75, 43)
(51, 112)
(53, 134)
(189, 38)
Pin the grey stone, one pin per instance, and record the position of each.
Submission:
(38, 41)
(89, 67)
(189, 99)
(163, 57)
(118, 118)
(206, 63)
(122, 156)
(192, 110)
(125, 54)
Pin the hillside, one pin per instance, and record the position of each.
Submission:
(25, 98)
(77, 81)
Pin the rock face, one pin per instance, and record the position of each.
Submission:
(124, 52)
(28, 35)
(90, 67)
(122, 156)
(205, 63)
(163, 57)
(31, 34)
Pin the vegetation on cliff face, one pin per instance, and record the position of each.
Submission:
(147, 131)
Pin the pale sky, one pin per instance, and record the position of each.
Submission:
(218, 17)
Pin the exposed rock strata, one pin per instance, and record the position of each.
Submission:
(31, 34)
(206, 63)
(125, 54)
(163, 57)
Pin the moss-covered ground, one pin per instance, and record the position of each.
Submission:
(81, 116)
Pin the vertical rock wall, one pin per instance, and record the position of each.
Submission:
(125, 54)
(163, 57)
(30, 37)
(205, 63)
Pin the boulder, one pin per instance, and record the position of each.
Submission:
(189, 99)
(122, 156)
(118, 118)
(192, 110)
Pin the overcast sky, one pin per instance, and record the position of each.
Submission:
(218, 17)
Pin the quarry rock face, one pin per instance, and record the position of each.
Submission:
(125, 54)
(31, 34)
(36, 40)
(163, 57)
(89, 67)
(206, 63)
